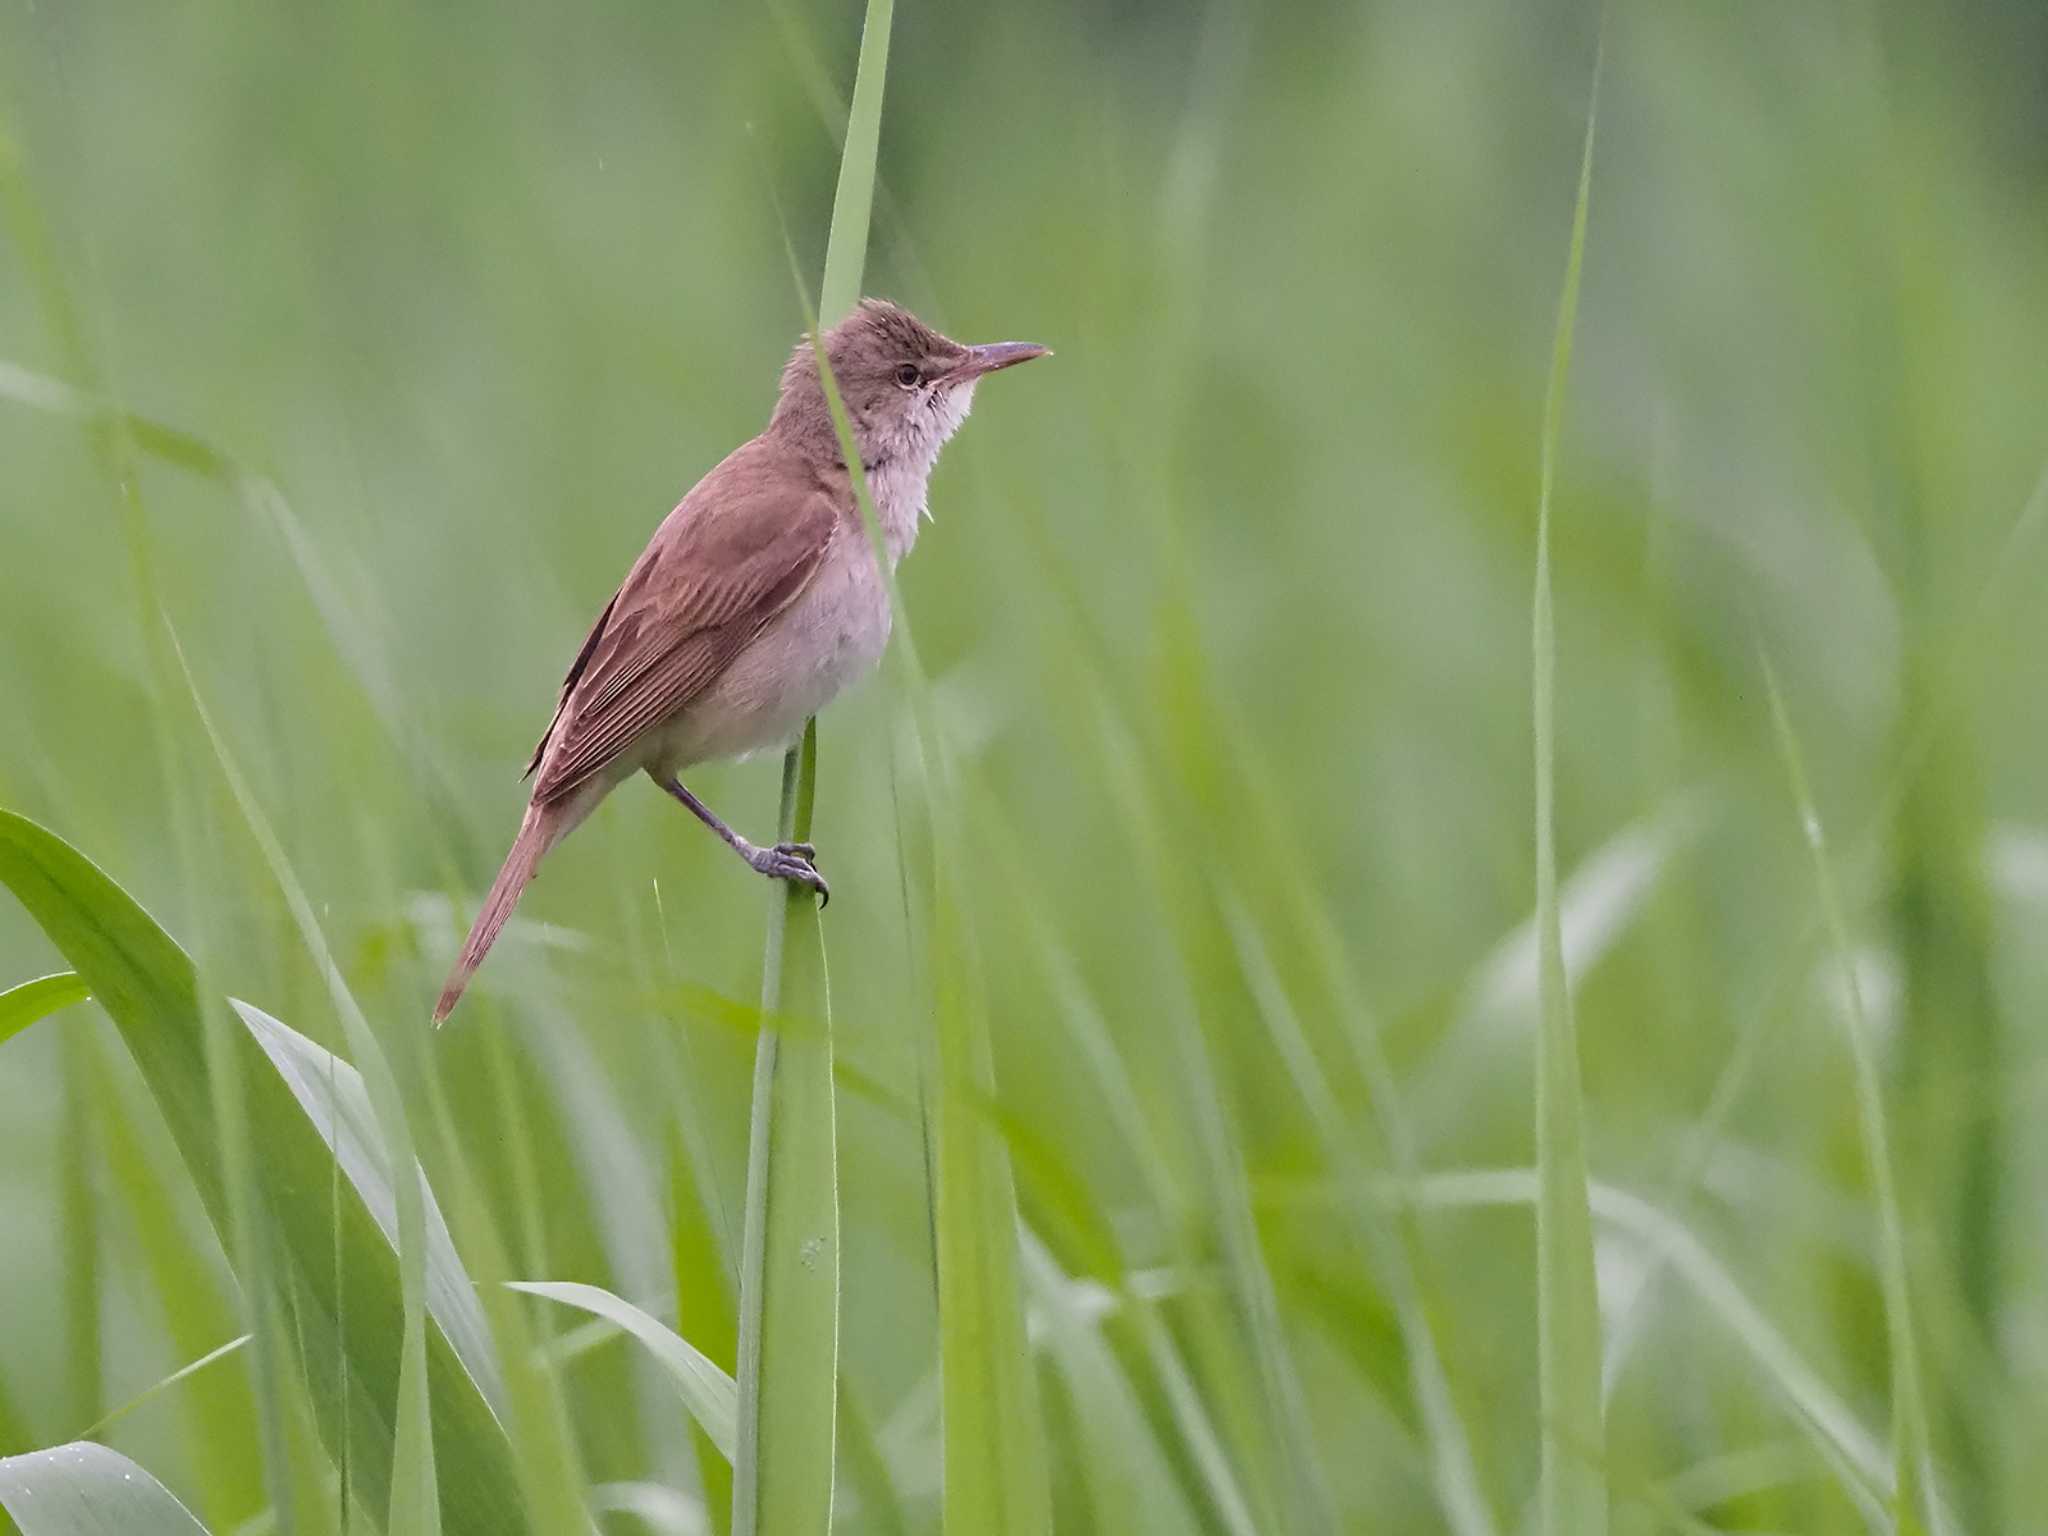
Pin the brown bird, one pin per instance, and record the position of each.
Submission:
(757, 600)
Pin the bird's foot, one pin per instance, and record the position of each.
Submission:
(794, 862)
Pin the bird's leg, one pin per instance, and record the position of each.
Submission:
(796, 862)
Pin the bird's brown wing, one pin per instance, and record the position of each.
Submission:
(735, 554)
(569, 684)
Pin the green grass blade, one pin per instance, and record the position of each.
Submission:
(218, 1412)
(548, 1461)
(33, 1000)
(702, 1267)
(335, 1101)
(1459, 1489)
(85, 1489)
(1574, 1493)
(78, 1238)
(1129, 1483)
(789, 1275)
(414, 1497)
(1153, 1358)
(1845, 1443)
(148, 986)
(183, 1373)
(706, 1391)
(661, 1509)
(1912, 1505)
(993, 1439)
(853, 201)
(994, 1474)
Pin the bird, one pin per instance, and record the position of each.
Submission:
(756, 602)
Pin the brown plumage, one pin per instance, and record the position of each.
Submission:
(756, 600)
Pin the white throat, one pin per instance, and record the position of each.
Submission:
(902, 469)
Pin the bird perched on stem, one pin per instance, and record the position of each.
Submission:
(757, 600)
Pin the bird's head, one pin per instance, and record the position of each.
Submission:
(905, 386)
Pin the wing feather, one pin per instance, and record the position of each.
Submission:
(738, 551)
(569, 684)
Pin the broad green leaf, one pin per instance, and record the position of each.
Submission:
(707, 1391)
(1573, 1499)
(351, 1333)
(21, 1006)
(83, 1489)
(331, 1093)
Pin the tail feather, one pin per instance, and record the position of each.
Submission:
(537, 834)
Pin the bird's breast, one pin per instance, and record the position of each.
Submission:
(832, 635)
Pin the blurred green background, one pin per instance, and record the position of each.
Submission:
(1227, 610)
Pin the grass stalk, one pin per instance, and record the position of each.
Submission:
(1912, 1512)
(1573, 1498)
(788, 1355)
(789, 1266)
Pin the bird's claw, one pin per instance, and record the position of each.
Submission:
(794, 862)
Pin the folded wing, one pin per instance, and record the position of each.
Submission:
(738, 551)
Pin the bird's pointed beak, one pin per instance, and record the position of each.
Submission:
(993, 355)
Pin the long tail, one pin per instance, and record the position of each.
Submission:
(541, 830)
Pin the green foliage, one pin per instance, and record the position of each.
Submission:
(21, 1006)
(1163, 1158)
(706, 1391)
(87, 1490)
(1574, 1494)
(1909, 1494)
(336, 1262)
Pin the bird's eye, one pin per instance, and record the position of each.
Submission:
(908, 376)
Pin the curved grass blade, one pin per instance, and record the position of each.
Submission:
(1457, 1477)
(663, 1510)
(321, 1255)
(33, 1000)
(173, 1257)
(83, 1489)
(1843, 1441)
(1912, 1508)
(1129, 1483)
(415, 1502)
(1573, 1498)
(707, 1391)
(331, 1093)
(184, 1372)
